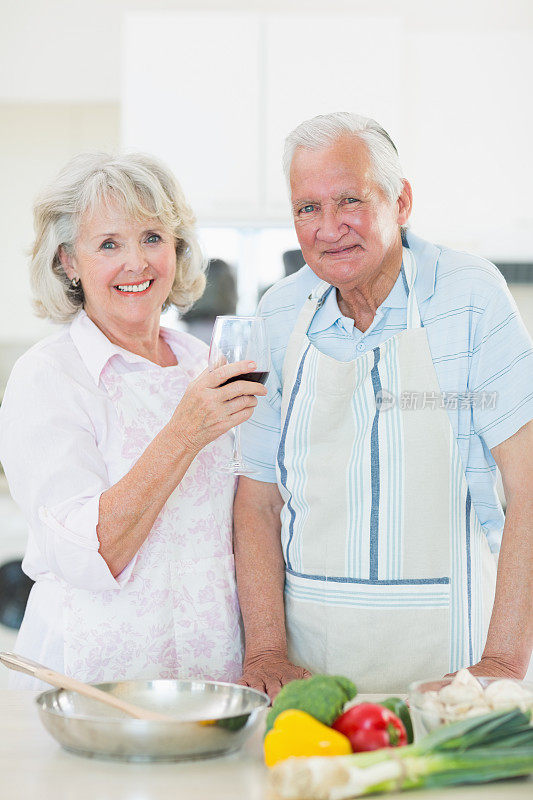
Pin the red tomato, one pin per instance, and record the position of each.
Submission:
(371, 727)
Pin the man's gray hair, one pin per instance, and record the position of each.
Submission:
(145, 188)
(324, 130)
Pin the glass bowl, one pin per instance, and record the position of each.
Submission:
(428, 710)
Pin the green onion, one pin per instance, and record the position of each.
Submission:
(476, 750)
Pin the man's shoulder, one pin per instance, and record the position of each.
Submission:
(290, 293)
(462, 276)
(459, 276)
(282, 303)
(466, 272)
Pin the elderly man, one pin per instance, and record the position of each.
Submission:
(402, 375)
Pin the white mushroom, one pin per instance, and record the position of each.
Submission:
(460, 694)
(508, 694)
(465, 678)
(432, 704)
(464, 697)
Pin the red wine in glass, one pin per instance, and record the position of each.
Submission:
(256, 377)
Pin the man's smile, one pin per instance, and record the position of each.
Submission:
(340, 251)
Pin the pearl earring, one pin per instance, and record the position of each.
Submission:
(74, 282)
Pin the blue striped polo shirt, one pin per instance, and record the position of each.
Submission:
(482, 352)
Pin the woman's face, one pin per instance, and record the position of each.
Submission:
(126, 268)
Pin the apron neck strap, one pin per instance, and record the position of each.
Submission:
(299, 334)
(315, 301)
(410, 270)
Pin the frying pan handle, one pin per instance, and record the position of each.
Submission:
(20, 663)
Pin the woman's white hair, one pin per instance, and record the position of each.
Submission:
(324, 130)
(146, 189)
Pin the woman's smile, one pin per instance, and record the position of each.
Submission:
(134, 288)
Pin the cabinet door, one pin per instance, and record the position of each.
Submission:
(318, 63)
(469, 144)
(190, 95)
(216, 94)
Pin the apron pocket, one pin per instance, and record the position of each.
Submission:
(207, 618)
(387, 649)
(381, 636)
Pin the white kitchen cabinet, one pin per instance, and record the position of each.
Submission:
(216, 94)
(190, 94)
(319, 63)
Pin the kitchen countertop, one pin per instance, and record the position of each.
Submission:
(34, 767)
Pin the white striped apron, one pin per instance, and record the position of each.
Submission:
(389, 576)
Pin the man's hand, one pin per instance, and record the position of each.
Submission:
(494, 668)
(268, 672)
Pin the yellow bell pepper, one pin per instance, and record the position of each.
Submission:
(296, 733)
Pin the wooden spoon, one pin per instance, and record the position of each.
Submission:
(21, 664)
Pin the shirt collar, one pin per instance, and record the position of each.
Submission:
(95, 348)
(328, 314)
(426, 255)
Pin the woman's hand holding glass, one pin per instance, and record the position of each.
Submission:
(233, 339)
(211, 406)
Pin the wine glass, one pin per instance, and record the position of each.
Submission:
(240, 339)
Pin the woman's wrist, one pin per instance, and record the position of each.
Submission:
(185, 444)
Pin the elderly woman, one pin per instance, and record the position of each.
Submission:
(112, 435)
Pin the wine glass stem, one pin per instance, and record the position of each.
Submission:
(237, 457)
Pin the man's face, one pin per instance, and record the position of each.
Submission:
(348, 229)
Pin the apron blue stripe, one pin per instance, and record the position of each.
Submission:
(457, 654)
(367, 581)
(281, 449)
(355, 483)
(374, 472)
(469, 574)
(300, 427)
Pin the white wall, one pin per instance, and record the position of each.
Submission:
(35, 141)
(69, 50)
